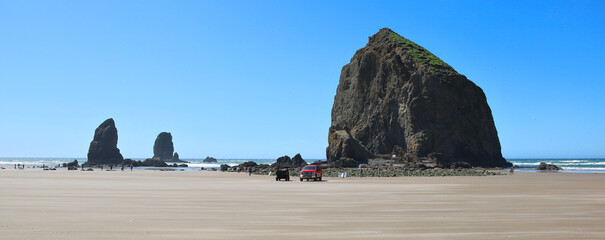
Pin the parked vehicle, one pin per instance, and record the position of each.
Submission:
(282, 173)
(311, 172)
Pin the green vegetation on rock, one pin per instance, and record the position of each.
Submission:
(418, 53)
(421, 55)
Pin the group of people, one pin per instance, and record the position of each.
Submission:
(111, 167)
(19, 166)
(249, 170)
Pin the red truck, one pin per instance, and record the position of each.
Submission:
(311, 172)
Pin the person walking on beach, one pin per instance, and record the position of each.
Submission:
(249, 171)
(512, 170)
(122, 168)
(131, 167)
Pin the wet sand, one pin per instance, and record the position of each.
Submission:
(148, 204)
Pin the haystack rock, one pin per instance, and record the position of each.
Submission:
(397, 98)
(104, 146)
(163, 147)
(175, 157)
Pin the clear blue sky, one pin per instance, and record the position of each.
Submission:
(256, 79)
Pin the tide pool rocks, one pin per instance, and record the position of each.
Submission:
(209, 160)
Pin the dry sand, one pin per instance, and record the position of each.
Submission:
(148, 204)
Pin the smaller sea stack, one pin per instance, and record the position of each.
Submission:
(163, 147)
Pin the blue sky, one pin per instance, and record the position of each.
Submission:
(256, 79)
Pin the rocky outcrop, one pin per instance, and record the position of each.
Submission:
(286, 161)
(72, 165)
(104, 146)
(397, 98)
(154, 162)
(224, 167)
(283, 161)
(175, 157)
(298, 161)
(248, 164)
(209, 160)
(548, 167)
(163, 147)
(344, 150)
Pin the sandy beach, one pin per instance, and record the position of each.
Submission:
(146, 204)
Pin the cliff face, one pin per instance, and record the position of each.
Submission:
(104, 146)
(397, 98)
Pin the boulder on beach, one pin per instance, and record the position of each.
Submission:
(73, 164)
(104, 146)
(209, 160)
(248, 164)
(395, 98)
(283, 161)
(130, 162)
(224, 167)
(548, 167)
(154, 162)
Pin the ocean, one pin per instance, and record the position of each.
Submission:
(570, 165)
(192, 165)
(573, 165)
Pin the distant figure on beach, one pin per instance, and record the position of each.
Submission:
(131, 167)
(512, 170)
(249, 171)
(122, 168)
(101, 167)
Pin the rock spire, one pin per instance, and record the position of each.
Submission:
(104, 146)
(163, 147)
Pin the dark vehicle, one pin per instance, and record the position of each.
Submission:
(282, 173)
(311, 172)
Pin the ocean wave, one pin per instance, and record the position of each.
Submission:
(204, 165)
(525, 164)
(573, 161)
(584, 169)
(34, 162)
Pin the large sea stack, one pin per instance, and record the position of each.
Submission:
(104, 146)
(397, 98)
(163, 147)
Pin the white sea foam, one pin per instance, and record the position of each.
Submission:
(204, 165)
(573, 161)
(526, 164)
